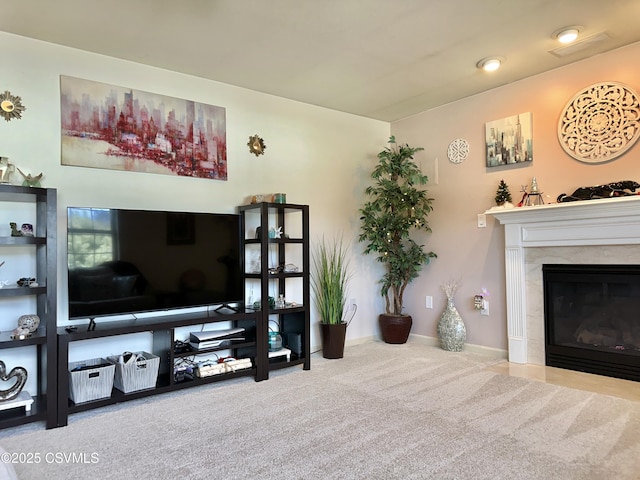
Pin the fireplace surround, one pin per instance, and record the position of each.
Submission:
(605, 231)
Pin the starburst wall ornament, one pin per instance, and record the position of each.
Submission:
(11, 106)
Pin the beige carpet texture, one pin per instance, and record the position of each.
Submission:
(382, 412)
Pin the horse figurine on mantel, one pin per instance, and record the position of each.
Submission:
(610, 190)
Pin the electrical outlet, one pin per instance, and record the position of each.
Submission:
(485, 308)
(482, 220)
(429, 301)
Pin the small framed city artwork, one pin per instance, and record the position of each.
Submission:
(509, 141)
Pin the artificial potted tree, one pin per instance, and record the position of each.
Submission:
(330, 281)
(396, 208)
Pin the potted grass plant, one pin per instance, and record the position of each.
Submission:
(330, 281)
(396, 208)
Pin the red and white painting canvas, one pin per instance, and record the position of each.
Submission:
(117, 128)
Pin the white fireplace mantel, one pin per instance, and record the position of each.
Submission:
(613, 221)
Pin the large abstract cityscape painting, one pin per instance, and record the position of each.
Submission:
(117, 128)
(509, 141)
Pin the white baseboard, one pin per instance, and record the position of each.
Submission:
(468, 347)
(430, 341)
(359, 341)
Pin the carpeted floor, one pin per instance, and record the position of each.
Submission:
(383, 412)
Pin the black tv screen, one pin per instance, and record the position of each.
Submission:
(130, 261)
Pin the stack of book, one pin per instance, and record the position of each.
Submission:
(228, 366)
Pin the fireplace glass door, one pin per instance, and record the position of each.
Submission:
(592, 318)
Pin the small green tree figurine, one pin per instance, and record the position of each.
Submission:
(502, 194)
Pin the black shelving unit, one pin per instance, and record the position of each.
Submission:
(44, 340)
(270, 253)
(163, 331)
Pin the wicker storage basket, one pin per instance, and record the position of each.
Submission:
(139, 372)
(90, 380)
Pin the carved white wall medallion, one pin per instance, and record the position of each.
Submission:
(600, 123)
(458, 150)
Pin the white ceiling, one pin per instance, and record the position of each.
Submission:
(383, 59)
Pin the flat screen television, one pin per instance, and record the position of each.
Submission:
(131, 261)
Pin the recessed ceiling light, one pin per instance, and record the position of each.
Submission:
(490, 64)
(566, 34)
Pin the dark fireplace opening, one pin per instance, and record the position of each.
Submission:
(592, 318)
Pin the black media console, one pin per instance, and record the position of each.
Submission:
(164, 339)
(260, 221)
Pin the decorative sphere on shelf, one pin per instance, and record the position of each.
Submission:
(29, 322)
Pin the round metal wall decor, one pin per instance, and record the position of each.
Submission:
(458, 150)
(256, 145)
(11, 106)
(600, 123)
